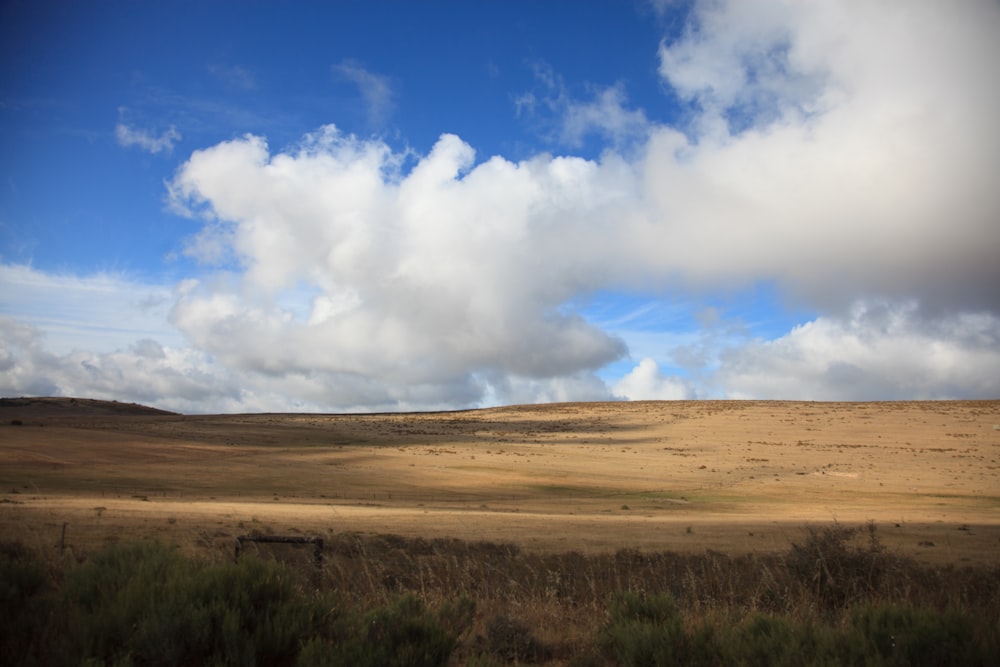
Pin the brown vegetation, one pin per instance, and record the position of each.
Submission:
(541, 513)
(735, 477)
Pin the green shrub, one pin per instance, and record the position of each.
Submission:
(897, 635)
(777, 641)
(403, 634)
(649, 631)
(25, 604)
(645, 630)
(145, 604)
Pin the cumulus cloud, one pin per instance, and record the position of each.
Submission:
(743, 63)
(841, 149)
(839, 167)
(879, 351)
(844, 153)
(170, 378)
(430, 279)
(104, 335)
(646, 382)
(184, 379)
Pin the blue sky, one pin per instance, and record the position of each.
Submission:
(231, 206)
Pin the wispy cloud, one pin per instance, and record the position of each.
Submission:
(147, 140)
(233, 76)
(375, 89)
(569, 120)
(101, 311)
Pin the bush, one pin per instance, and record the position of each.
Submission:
(25, 599)
(898, 635)
(145, 604)
(777, 641)
(836, 573)
(650, 631)
(403, 634)
(645, 630)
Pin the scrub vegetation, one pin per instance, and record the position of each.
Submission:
(660, 533)
(837, 596)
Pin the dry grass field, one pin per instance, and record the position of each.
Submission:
(733, 477)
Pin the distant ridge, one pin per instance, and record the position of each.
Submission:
(54, 406)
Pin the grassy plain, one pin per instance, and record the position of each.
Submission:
(736, 477)
(582, 534)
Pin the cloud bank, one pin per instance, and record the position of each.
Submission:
(428, 281)
(844, 152)
(845, 149)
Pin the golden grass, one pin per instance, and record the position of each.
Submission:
(735, 477)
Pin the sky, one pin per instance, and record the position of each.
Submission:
(391, 206)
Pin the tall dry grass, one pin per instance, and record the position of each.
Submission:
(836, 591)
(551, 606)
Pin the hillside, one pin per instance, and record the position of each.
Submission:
(733, 476)
(36, 408)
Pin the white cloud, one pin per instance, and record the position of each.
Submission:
(375, 89)
(880, 351)
(569, 121)
(504, 389)
(429, 278)
(843, 181)
(145, 140)
(845, 153)
(742, 63)
(99, 312)
(170, 378)
(104, 336)
(646, 382)
(606, 115)
(865, 167)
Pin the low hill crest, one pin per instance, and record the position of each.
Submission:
(58, 405)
